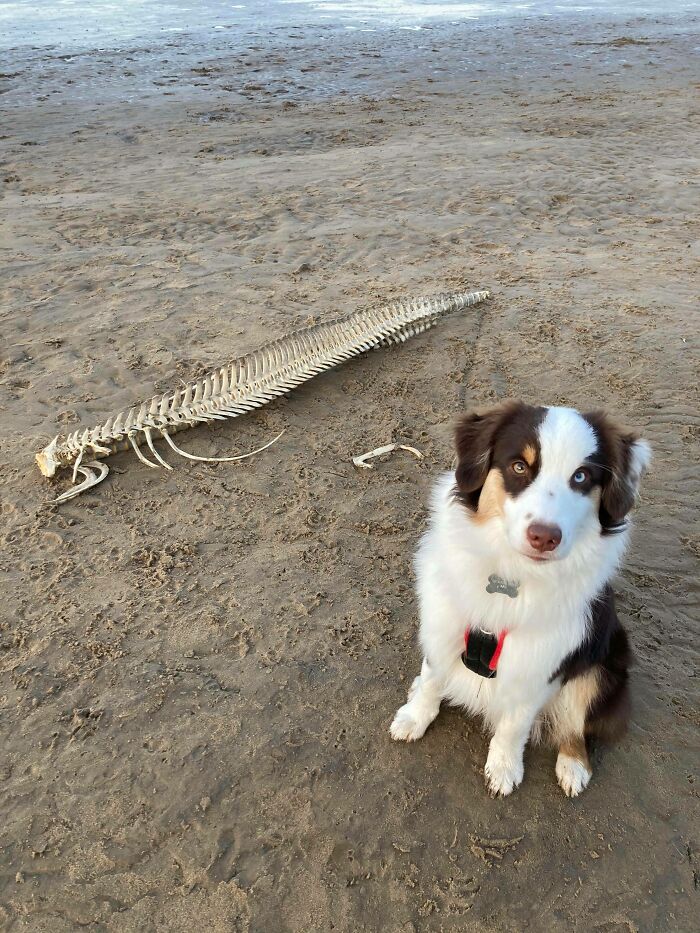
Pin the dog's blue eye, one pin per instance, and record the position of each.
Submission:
(580, 476)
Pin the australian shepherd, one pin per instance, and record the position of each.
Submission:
(517, 616)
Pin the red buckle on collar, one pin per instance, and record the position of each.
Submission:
(482, 651)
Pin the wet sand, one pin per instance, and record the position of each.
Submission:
(198, 669)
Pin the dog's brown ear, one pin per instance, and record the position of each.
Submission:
(621, 487)
(626, 456)
(474, 438)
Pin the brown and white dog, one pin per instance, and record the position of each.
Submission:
(517, 618)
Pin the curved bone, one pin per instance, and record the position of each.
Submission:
(153, 466)
(183, 453)
(361, 460)
(149, 441)
(91, 479)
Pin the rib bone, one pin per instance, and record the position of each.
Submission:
(361, 459)
(247, 383)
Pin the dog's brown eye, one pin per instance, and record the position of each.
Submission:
(519, 467)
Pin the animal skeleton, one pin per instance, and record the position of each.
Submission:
(247, 383)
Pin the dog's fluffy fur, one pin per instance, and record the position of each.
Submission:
(562, 672)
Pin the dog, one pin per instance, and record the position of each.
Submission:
(517, 615)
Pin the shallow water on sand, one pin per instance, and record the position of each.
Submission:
(84, 23)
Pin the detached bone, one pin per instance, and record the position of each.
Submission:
(247, 383)
(361, 461)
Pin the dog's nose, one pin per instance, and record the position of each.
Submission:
(544, 537)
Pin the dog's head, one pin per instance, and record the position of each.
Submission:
(548, 475)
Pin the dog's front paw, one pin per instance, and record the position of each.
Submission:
(407, 727)
(503, 773)
(572, 774)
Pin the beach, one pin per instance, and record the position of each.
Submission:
(198, 668)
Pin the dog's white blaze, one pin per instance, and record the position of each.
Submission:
(565, 440)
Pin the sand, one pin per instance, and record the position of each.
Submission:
(198, 669)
